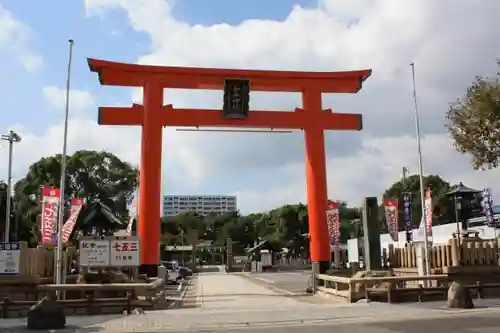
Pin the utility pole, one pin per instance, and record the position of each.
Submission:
(12, 137)
(62, 184)
(420, 170)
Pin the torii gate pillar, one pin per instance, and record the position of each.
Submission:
(316, 184)
(150, 178)
(153, 115)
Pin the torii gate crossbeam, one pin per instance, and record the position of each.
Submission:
(153, 115)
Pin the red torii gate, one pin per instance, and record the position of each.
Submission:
(153, 115)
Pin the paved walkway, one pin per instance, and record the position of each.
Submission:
(229, 302)
(230, 291)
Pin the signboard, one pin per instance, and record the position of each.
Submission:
(333, 222)
(10, 258)
(76, 207)
(94, 253)
(109, 251)
(391, 218)
(125, 252)
(236, 98)
(50, 210)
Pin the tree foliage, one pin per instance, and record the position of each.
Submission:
(443, 211)
(102, 177)
(283, 227)
(91, 175)
(474, 122)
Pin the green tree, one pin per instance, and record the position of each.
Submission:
(3, 208)
(283, 227)
(442, 207)
(91, 175)
(288, 228)
(349, 222)
(474, 122)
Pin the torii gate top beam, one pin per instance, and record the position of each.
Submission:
(131, 75)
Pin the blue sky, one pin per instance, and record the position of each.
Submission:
(53, 22)
(111, 38)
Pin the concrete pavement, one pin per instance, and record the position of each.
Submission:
(233, 291)
(231, 301)
(290, 283)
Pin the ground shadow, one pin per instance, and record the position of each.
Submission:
(75, 324)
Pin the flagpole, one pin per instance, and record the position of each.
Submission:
(420, 170)
(63, 174)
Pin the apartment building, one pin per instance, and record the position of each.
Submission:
(201, 204)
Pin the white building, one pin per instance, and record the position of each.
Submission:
(201, 204)
(440, 234)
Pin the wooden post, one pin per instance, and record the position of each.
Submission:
(229, 263)
(439, 257)
(371, 234)
(409, 256)
(391, 256)
(455, 256)
(336, 254)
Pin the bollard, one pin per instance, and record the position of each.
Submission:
(314, 280)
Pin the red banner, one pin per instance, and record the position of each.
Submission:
(391, 218)
(50, 210)
(428, 211)
(76, 207)
(132, 215)
(333, 221)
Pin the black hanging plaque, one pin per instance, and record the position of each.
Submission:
(236, 98)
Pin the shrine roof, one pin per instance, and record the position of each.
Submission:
(124, 74)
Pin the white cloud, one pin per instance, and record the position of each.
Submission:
(31, 62)
(80, 100)
(15, 36)
(450, 41)
(371, 170)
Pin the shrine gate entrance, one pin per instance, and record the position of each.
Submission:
(153, 115)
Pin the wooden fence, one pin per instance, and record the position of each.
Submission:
(398, 288)
(90, 299)
(470, 252)
(40, 262)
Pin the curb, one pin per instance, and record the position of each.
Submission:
(178, 302)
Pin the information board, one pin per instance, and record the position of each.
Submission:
(94, 253)
(125, 252)
(10, 258)
(109, 251)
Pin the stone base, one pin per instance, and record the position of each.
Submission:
(149, 270)
(46, 315)
(459, 297)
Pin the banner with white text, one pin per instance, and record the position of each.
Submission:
(76, 208)
(333, 221)
(49, 213)
(391, 218)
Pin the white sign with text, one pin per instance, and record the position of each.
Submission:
(125, 252)
(94, 253)
(10, 258)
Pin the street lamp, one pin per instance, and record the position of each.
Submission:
(462, 196)
(12, 137)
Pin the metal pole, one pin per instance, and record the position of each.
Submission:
(496, 241)
(420, 169)
(457, 218)
(63, 174)
(9, 188)
(182, 246)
